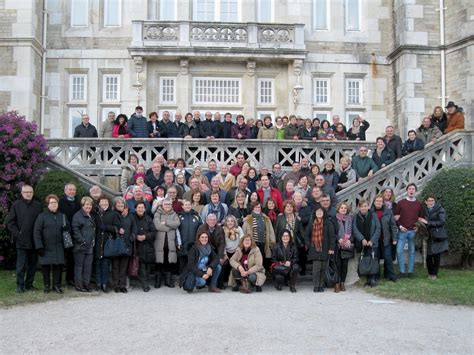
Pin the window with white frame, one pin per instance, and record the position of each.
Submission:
(353, 15)
(321, 15)
(321, 91)
(105, 112)
(75, 118)
(111, 87)
(322, 115)
(266, 91)
(350, 115)
(354, 92)
(207, 90)
(167, 90)
(216, 10)
(78, 87)
(262, 114)
(168, 10)
(265, 11)
(112, 13)
(79, 13)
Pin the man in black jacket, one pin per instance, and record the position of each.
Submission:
(227, 125)
(20, 222)
(393, 142)
(206, 127)
(218, 127)
(69, 204)
(85, 129)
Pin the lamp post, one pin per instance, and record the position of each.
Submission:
(138, 85)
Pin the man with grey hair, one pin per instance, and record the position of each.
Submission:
(335, 121)
(393, 142)
(85, 129)
(108, 125)
(138, 197)
(20, 222)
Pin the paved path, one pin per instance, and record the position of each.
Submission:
(172, 321)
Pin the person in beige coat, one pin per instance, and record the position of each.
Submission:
(166, 223)
(268, 130)
(247, 267)
(260, 228)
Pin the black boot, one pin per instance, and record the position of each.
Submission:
(169, 282)
(236, 286)
(158, 277)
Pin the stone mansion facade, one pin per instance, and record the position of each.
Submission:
(391, 61)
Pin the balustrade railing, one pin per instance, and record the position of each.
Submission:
(104, 156)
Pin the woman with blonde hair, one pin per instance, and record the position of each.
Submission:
(232, 234)
(203, 180)
(345, 243)
(331, 177)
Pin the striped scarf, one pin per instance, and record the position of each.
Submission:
(317, 236)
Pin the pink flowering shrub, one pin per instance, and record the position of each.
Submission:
(23, 153)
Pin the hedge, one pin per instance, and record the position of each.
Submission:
(53, 183)
(454, 189)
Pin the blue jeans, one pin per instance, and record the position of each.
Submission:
(102, 270)
(200, 282)
(403, 237)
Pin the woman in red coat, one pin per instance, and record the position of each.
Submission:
(120, 127)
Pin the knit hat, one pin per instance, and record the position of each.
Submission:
(137, 176)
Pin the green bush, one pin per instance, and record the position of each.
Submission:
(454, 189)
(53, 183)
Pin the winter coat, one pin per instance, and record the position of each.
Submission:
(254, 262)
(374, 231)
(440, 122)
(21, 220)
(81, 131)
(154, 130)
(239, 213)
(436, 218)
(207, 129)
(166, 231)
(280, 133)
(395, 144)
(280, 254)
(244, 130)
(138, 127)
(107, 227)
(296, 233)
(411, 146)
(145, 249)
(275, 195)
(227, 128)
(83, 232)
(331, 178)
(247, 227)
(291, 131)
(386, 157)
(362, 166)
(115, 131)
(218, 129)
(304, 134)
(329, 240)
(267, 133)
(455, 121)
(346, 178)
(130, 228)
(364, 126)
(69, 208)
(193, 259)
(345, 253)
(388, 227)
(191, 130)
(107, 128)
(126, 178)
(427, 134)
(216, 238)
(170, 129)
(189, 224)
(48, 234)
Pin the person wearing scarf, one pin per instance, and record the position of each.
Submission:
(232, 233)
(267, 131)
(203, 263)
(320, 243)
(119, 129)
(259, 226)
(388, 236)
(366, 230)
(285, 266)
(325, 132)
(345, 243)
(215, 207)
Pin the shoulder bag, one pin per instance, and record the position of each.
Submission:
(368, 264)
(115, 247)
(67, 238)
(332, 276)
(439, 233)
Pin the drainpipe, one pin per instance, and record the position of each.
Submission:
(443, 53)
(43, 66)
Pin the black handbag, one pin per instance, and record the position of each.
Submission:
(115, 247)
(332, 276)
(368, 264)
(439, 233)
(67, 238)
(279, 269)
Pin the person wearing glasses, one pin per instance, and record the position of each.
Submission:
(364, 166)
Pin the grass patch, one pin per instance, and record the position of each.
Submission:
(9, 297)
(453, 287)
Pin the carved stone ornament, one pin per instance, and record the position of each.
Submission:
(138, 64)
(184, 65)
(251, 66)
(297, 67)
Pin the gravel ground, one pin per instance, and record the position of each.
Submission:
(172, 321)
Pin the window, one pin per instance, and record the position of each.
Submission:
(111, 88)
(105, 112)
(262, 114)
(353, 15)
(75, 118)
(265, 11)
(172, 111)
(167, 90)
(112, 13)
(350, 117)
(321, 15)
(78, 88)
(321, 91)
(216, 10)
(216, 91)
(168, 10)
(266, 91)
(322, 115)
(79, 13)
(354, 92)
